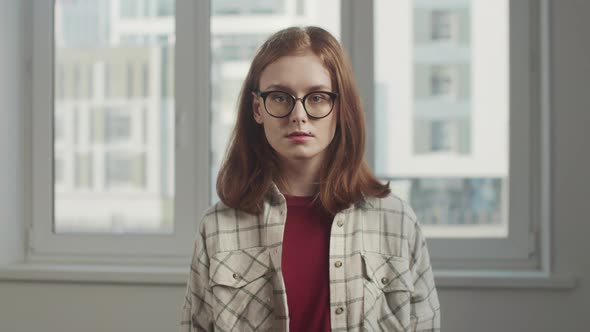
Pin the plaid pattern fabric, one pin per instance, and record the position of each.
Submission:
(380, 273)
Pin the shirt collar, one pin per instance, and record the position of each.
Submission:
(275, 198)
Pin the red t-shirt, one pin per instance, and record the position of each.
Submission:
(305, 264)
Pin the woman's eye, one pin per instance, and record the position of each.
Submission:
(317, 98)
(279, 99)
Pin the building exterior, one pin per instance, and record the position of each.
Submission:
(442, 107)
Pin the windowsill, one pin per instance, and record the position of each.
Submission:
(158, 275)
(95, 274)
(503, 280)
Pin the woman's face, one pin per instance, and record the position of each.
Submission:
(296, 137)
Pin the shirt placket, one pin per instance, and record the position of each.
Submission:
(274, 238)
(338, 310)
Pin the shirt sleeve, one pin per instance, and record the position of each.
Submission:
(197, 313)
(425, 307)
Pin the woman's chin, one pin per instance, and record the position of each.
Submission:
(299, 156)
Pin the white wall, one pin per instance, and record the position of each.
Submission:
(67, 307)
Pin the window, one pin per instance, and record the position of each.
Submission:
(145, 80)
(130, 80)
(117, 125)
(131, 8)
(144, 126)
(59, 171)
(441, 127)
(447, 146)
(132, 157)
(60, 77)
(75, 126)
(300, 7)
(256, 7)
(443, 25)
(166, 8)
(234, 47)
(83, 172)
(443, 81)
(97, 192)
(58, 128)
(441, 136)
(76, 82)
(107, 80)
(90, 81)
(119, 168)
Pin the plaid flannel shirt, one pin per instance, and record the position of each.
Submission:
(383, 280)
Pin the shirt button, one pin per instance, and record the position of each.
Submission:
(237, 276)
(281, 212)
(340, 223)
(338, 264)
(339, 311)
(384, 280)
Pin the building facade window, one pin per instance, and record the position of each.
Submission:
(145, 79)
(442, 136)
(90, 81)
(443, 81)
(443, 25)
(83, 170)
(119, 169)
(76, 81)
(130, 80)
(107, 80)
(117, 125)
(256, 7)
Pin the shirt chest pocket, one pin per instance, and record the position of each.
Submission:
(388, 288)
(242, 290)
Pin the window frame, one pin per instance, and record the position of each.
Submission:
(191, 143)
(527, 248)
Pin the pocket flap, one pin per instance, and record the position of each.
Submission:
(388, 272)
(237, 268)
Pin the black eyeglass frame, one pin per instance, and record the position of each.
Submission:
(264, 94)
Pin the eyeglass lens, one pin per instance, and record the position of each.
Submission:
(317, 104)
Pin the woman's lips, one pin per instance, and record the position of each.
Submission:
(299, 138)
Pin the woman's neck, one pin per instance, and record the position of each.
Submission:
(301, 176)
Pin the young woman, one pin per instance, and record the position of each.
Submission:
(305, 238)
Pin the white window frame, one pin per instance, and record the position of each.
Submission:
(191, 143)
(527, 246)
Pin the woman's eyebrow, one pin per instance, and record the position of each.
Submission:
(278, 87)
(319, 87)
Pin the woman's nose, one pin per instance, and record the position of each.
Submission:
(298, 113)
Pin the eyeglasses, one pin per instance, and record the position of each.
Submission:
(279, 104)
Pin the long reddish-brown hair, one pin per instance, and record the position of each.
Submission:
(251, 165)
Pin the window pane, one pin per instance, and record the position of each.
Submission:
(114, 116)
(251, 7)
(233, 48)
(441, 111)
